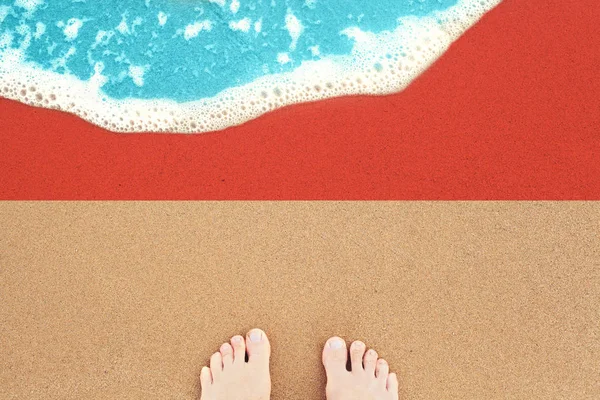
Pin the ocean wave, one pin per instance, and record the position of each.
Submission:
(185, 66)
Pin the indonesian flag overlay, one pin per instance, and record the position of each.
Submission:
(453, 99)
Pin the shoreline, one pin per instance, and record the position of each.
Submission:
(424, 41)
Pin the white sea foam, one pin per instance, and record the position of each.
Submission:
(122, 27)
(162, 18)
(40, 29)
(294, 27)
(234, 6)
(219, 2)
(376, 66)
(242, 25)
(192, 30)
(283, 58)
(71, 29)
(29, 5)
(136, 73)
(4, 11)
(258, 26)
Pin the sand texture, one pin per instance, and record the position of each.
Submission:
(466, 300)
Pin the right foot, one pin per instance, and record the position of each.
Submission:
(369, 379)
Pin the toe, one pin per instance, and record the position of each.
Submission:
(227, 354)
(392, 385)
(335, 356)
(381, 371)
(216, 366)
(205, 378)
(259, 348)
(370, 361)
(357, 352)
(239, 349)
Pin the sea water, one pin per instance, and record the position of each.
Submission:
(201, 65)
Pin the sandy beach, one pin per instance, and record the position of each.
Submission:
(465, 300)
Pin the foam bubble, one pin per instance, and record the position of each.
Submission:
(136, 73)
(258, 26)
(242, 25)
(40, 29)
(4, 11)
(71, 29)
(29, 5)
(123, 27)
(234, 6)
(162, 18)
(192, 30)
(283, 58)
(378, 64)
(294, 27)
(218, 2)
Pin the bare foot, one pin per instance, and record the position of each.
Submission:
(230, 377)
(369, 379)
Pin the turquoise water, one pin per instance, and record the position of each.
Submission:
(189, 49)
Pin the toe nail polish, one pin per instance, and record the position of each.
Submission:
(336, 344)
(255, 336)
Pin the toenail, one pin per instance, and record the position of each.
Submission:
(237, 339)
(255, 336)
(336, 344)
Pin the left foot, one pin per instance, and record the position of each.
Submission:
(230, 377)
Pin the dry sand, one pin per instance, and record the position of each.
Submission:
(466, 300)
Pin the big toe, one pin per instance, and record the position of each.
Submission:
(335, 356)
(258, 347)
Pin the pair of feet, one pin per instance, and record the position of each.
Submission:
(230, 377)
